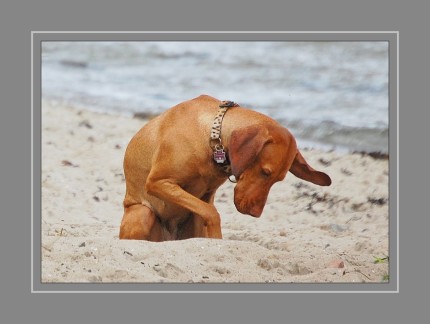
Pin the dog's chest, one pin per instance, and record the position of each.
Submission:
(203, 186)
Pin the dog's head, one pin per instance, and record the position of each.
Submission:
(261, 155)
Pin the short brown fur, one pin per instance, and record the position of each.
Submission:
(171, 178)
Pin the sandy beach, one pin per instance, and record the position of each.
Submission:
(306, 234)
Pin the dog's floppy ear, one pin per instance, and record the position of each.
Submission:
(301, 169)
(245, 145)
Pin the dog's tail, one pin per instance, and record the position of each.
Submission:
(301, 169)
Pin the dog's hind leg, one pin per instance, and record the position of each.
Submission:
(140, 223)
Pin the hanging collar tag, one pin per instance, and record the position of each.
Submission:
(219, 154)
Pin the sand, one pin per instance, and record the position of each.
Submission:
(307, 233)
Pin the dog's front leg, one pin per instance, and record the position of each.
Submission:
(167, 190)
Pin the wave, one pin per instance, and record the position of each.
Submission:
(331, 134)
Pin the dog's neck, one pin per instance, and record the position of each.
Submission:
(220, 156)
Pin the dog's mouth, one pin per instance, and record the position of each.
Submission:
(254, 211)
(249, 207)
(250, 200)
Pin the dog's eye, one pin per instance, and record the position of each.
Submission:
(266, 172)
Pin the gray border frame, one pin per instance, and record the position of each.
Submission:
(37, 287)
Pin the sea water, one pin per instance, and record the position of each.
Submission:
(331, 95)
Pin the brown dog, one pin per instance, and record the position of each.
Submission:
(171, 175)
